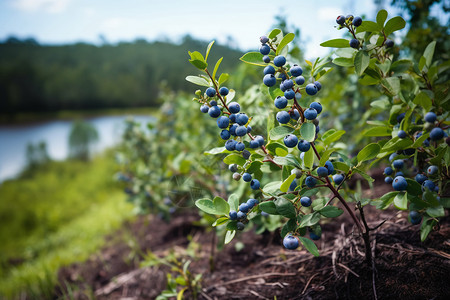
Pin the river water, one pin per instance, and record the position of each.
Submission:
(15, 138)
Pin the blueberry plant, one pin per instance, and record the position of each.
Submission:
(313, 168)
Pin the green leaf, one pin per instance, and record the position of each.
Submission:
(217, 150)
(197, 80)
(336, 43)
(288, 160)
(394, 24)
(309, 245)
(233, 201)
(207, 50)
(369, 26)
(217, 206)
(381, 17)
(234, 159)
(253, 58)
(286, 40)
(414, 188)
(333, 137)
(277, 149)
(343, 61)
(387, 199)
(274, 33)
(391, 85)
(221, 206)
(308, 159)
(426, 227)
(308, 131)
(363, 174)
(362, 61)
(428, 53)
(272, 187)
(275, 91)
(223, 77)
(216, 67)
(422, 99)
(290, 226)
(436, 212)
(341, 166)
(378, 131)
(285, 208)
(368, 152)
(269, 207)
(220, 221)
(310, 220)
(401, 201)
(285, 185)
(396, 143)
(280, 132)
(331, 211)
(197, 60)
(229, 236)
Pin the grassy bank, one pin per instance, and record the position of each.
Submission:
(53, 216)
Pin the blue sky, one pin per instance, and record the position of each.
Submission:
(66, 21)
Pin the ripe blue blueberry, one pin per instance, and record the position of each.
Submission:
(225, 134)
(269, 80)
(282, 76)
(340, 20)
(399, 174)
(318, 85)
(204, 108)
(436, 134)
(310, 181)
(241, 119)
(249, 128)
(254, 184)
(399, 183)
(293, 185)
(280, 102)
(310, 113)
(233, 129)
(283, 117)
(296, 70)
(290, 242)
(290, 140)
(252, 202)
(223, 91)
(279, 60)
(398, 164)
(432, 170)
(289, 94)
(420, 178)
(288, 84)
(213, 102)
(388, 180)
(254, 144)
(317, 106)
(338, 178)
(241, 215)
(314, 236)
(357, 21)
(415, 217)
(354, 43)
(241, 130)
(247, 177)
(295, 115)
(392, 156)
(210, 92)
(240, 146)
(388, 171)
(428, 184)
(402, 134)
(311, 89)
(214, 111)
(223, 122)
(234, 107)
(240, 226)
(264, 49)
(244, 207)
(232, 117)
(263, 39)
(303, 145)
(329, 166)
(322, 172)
(260, 140)
(233, 215)
(299, 80)
(389, 43)
(282, 88)
(230, 145)
(269, 70)
(246, 154)
(400, 117)
(305, 201)
(233, 167)
(266, 59)
(430, 117)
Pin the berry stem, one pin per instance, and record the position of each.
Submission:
(217, 92)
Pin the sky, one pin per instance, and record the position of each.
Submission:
(68, 21)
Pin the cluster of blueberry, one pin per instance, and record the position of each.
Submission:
(241, 215)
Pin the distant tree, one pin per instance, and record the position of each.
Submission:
(37, 154)
(81, 139)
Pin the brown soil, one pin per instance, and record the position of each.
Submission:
(263, 269)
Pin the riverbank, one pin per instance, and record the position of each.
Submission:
(55, 215)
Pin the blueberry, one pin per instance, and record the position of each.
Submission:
(296, 70)
(282, 88)
(420, 178)
(232, 117)
(432, 170)
(210, 92)
(279, 60)
(430, 117)
(234, 107)
(303, 145)
(223, 91)
(247, 177)
(436, 134)
(398, 164)
(241, 215)
(290, 242)
(305, 201)
(241, 119)
(402, 134)
(295, 115)
(388, 171)
(233, 168)
(400, 117)
(399, 174)
(416, 221)
(310, 113)
(280, 102)
(230, 145)
(233, 215)
(283, 117)
(293, 185)
(329, 166)
(236, 176)
(254, 184)
(409, 151)
(246, 154)
(225, 134)
(213, 102)
(266, 59)
(289, 94)
(311, 89)
(204, 108)
(282, 76)
(290, 140)
(263, 39)
(298, 173)
(233, 129)
(389, 43)
(388, 180)
(214, 111)
(354, 43)
(244, 207)
(414, 215)
(399, 183)
(240, 226)
(317, 106)
(264, 49)
(314, 236)
(357, 21)
(269, 70)
(249, 128)
(322, 172)
(260, 140)
(428, 184)
(288, 84)
(338, 178)
(254, 144)
(299, 80)
(340, 20)
(223, 122)
(269, 80)
(318, 85)
(392, 156)
(310, 181)
(240, 146)
(252, 203)
(241, 130)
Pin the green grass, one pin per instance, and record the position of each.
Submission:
(55, 216)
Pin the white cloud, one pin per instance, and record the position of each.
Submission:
(50, 6)
(328, 13)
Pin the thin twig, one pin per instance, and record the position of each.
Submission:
(348, 269)
(309, 281)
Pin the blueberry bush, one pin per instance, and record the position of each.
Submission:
(297, 172)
